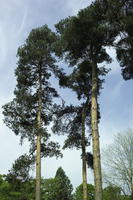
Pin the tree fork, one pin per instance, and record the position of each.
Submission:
(95, 136)
(84, 172)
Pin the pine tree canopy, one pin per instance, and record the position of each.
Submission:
(119, 15)
(20, 170)
(36, 66)
(125, 45)
(85, 36)
(68, 120)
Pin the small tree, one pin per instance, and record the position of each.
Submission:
(65, 186)
(19, 179)
(57, 188)
(112, 192)
(19, 172)
(118, 162)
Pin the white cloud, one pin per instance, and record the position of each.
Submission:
(2, 47)
(76, 5)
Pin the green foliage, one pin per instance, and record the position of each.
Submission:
(34, 58)
(49, 189)
(5, 189)
(19, 180)
(125, 45)
(8, 191)
(78, 195)
(68, 120)
(53, 188)
(112, 192)
(65, 186)
(78, 35)
(19, 172)
(83, 40)
(58, 187)
(119, 15)
(109, 193)
(36, 65)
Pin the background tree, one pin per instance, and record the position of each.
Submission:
(20, 171)
(78, 194)
(112, 192)
(5, 189)
(29, 114)
(49, 189)
(56, 188)
(18, 184)
(22, 184)
(65, 186)
(118, 162)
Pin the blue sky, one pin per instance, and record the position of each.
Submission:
(17, 18)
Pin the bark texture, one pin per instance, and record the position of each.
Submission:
(95, 136)
(38, 169)
(38, 141)
(84, 172)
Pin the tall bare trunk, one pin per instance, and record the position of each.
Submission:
(38, 169)
(84, 172)
(38, 142)
(95, 136)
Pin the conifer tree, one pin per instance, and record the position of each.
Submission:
(20, 170)
(58, 187)
(20, 182)
(83, 39)
(29, 113)
(73, 120)
(65, 186)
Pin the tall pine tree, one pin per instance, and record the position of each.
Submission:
(73, 120)
(29, 114)
(83, 39)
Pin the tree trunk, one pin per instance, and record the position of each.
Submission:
(84, 173)
(131, 192)
(38, 141)
(95, 136)
(38, 168)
